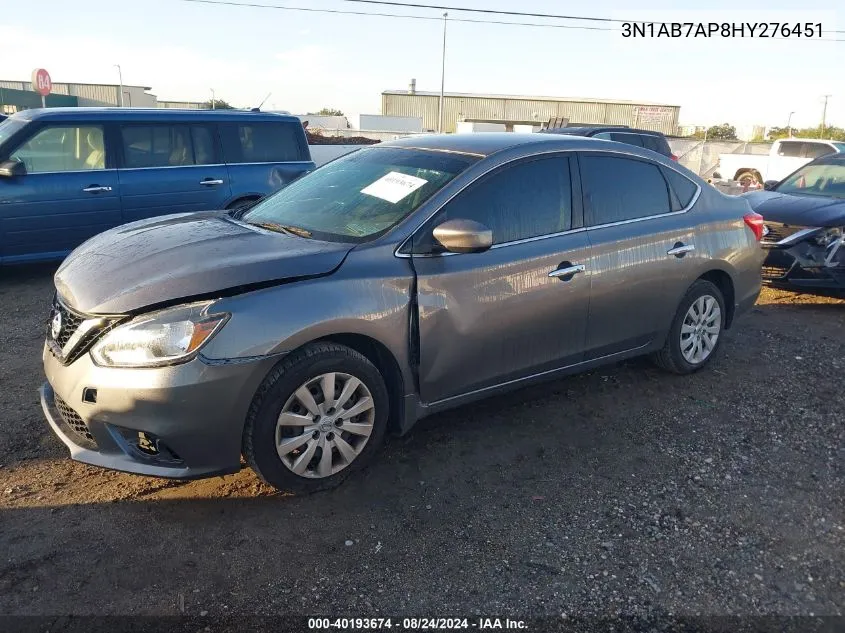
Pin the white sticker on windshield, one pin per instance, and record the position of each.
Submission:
(394, 186)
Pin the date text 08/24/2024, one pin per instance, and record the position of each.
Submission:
(316, 624)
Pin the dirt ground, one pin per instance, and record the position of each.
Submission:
(624, 490)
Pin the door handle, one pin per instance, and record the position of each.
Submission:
(565, 274)
(96, 189)
(208, 182)
(680, 249)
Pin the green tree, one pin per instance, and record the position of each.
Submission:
(724, 132)
(327, 112)
(218, 104)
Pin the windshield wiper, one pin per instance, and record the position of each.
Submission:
(283, 228)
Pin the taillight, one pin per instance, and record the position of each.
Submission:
(755, 223)
(673, 157)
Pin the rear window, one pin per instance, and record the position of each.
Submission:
(262, 142)
(656, 143)
(630, 139)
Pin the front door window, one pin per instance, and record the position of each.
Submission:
(63, 148)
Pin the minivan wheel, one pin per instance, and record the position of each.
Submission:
(696, 331)
(320, 415)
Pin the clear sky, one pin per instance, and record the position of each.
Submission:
(311, 60)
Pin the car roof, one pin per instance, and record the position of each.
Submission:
(146, 114)
(583, 130)
(487, 143)
(809, 140)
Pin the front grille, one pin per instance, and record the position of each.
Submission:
(72, 419)
(71, 322)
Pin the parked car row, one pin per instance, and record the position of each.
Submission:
(67, 174)
(784, 157)
(395, 282)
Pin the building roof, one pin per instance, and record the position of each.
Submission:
(77, 83)
(144, 114)
(470, 95)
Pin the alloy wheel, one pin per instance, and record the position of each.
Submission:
(324, 425)
(700, 329)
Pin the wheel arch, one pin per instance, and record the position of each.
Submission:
(387, 364)
(725, 283)
(753, 170)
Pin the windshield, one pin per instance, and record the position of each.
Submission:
(358, 196)
(10, 126)
(820, 179)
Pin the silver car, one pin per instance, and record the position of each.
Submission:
(395, 282)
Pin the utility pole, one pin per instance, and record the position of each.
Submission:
(120, 77)
(824, 113)
(442, 76)
(789, 125)
(212, 98)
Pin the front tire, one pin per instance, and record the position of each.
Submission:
(696, 332)
(320, 415)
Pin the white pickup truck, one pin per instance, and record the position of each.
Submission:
(786, 156)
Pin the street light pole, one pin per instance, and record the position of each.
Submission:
(789, 125)
(120, 76)
(824, 113)
(442, 76)
(212, 98)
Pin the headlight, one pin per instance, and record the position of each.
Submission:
(160, 338)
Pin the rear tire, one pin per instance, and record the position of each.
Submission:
(297, 436)
(696, 332)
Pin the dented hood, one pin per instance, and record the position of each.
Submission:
(169, 258)
(797, 210)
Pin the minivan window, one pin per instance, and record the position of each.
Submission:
(166, 146)
(358, 196)
(261, 142)
(63, 148)
(529, 199)
(618, 189)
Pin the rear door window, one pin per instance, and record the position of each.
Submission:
(616, 189)
(262, 142)
(166, 146)
(656, 143)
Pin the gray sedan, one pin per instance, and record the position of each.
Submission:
(390, 284)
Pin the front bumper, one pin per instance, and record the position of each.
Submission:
(796, 268)
(181, 422)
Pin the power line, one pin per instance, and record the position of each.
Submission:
(557, 16)
(257, 5)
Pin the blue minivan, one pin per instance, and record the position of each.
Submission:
(67, 174)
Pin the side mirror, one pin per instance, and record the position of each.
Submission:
(463, 236)
(770, 184)
(12, 168)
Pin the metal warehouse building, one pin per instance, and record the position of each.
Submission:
(87, 95)
(521, 110)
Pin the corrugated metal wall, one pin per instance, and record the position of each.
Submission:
(95, 94)
(457, 108)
